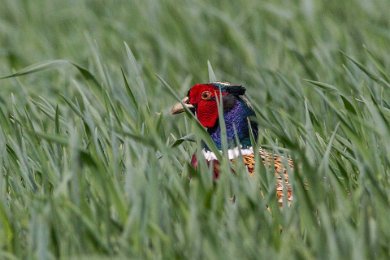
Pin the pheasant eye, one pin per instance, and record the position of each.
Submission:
(206, 95)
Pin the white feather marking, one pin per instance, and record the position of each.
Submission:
(232, 153)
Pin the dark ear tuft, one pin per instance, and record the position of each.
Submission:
(233, 89)
(236, 90)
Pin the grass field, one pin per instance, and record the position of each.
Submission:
(93, 165)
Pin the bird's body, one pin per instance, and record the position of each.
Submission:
(203, 100)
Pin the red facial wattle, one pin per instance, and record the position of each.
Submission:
(207, 113)
(204, 97)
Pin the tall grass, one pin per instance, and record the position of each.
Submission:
(93, 165)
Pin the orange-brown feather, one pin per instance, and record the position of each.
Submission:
(281, 166)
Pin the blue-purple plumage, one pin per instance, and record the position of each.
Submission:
(237, 124)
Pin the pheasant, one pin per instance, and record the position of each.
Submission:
(202, 100)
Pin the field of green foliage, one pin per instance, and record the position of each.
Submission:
(94, 166)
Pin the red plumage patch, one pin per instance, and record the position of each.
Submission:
(206, 108)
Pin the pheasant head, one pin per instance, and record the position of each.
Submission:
(203, 100)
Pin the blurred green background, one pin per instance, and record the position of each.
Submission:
(93, 165)
(175, 39)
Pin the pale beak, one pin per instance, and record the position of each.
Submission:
(179, 107)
